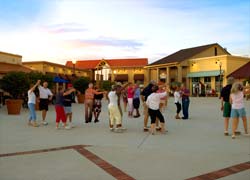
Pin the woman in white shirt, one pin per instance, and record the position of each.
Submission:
(32, 104)
(238, 110)
(177, 101)
(153, 103)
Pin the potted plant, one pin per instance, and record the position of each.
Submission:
(81, 84)
(16, 84)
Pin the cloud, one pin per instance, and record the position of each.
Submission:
(64, 28)
(124, 43)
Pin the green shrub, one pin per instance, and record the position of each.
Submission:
(81, 84)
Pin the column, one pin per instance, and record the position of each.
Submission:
(168, 75)
(157, 75)
(179, 74)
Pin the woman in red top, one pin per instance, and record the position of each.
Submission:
(130, 99)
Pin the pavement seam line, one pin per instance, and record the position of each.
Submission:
(107, 167)
(223, 172)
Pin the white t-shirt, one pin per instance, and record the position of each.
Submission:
(177, 97)
(31, 97)
(237, 100)
(44, 92)
(153, 100)
(113, 98)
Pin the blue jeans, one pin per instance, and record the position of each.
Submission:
(32, 109)
(185, 106)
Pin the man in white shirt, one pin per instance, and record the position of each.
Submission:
(153, 103)
(45, 96)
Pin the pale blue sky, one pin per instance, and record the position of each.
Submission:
(60, 30)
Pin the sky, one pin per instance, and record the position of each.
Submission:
(62, 30)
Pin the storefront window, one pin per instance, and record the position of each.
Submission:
(207, 82)
(195, 85)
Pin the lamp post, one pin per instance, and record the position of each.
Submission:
(220, 64)
(74, 66)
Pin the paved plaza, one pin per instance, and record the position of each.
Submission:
(192, 149)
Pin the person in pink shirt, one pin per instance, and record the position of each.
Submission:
(238, 109)
(130, 99)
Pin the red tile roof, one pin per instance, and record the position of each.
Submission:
(7, 67)
(92, 64)
(242, 72)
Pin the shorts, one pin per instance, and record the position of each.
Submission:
(236, 113)
(227, 109)
(136, 103)
(68, 109)
(44, 104)
(97, 107)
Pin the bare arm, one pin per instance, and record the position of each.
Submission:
(69, 91)
(33, 88)
(246, 90)
(222, 104)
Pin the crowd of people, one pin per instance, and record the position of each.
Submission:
(154, 98)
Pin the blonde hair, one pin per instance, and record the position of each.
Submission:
(236, 87)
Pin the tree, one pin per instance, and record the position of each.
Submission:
(15, 83)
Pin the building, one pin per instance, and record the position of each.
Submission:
(242, 73)
(11, 62)
(121, 70)
(64, 72)
(202, 68)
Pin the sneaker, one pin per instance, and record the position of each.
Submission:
(118, 130)
(34, 124)
(145, 129)
(246, 134)
(123, 128)
(57, 127)
(44, 123)
(237, 133)
(67, 127)
(152, 132)
(158, 128)
(96, 121)
(233, 136)
(226, 133)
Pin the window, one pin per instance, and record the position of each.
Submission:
(195, 79)
(207, 79)
(215, 51)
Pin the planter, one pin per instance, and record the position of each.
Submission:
(80, 98)
(14, 106)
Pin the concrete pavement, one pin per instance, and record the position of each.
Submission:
(191, 148)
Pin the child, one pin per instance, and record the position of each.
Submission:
(238, 110)
(60, 113)
(153, 103)
(177, 101)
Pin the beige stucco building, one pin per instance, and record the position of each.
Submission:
(202, 66)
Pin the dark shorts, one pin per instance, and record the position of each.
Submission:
(97, 107)
(44, 104)
(227, 109)
(136, 103)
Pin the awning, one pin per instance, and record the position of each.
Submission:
(139, 77)
(205, 73)
(59, 80)
(121, 77)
